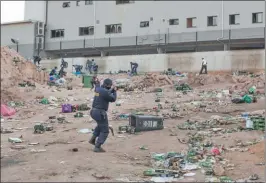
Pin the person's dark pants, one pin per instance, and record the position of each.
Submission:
(90, 69)
(204, 67)
(102, 129)
(134, 70)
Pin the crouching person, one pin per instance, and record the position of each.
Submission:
(103, 95)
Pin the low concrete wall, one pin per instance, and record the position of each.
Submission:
(184, 62)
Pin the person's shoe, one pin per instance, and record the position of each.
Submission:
(92, 140)
(99, 150)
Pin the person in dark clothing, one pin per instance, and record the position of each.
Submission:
(95, 69)
(36, 59)
(61, 72)
(94, 82)
(89, 65)
(103, 95)
(53, 72)
(134, 67)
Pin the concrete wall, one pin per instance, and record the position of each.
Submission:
(185, 62)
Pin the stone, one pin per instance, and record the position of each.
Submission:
(218, 170)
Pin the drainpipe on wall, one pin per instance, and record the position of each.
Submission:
(94, 24)
(45, 24)
(219, 39)
(94, 21)
(265, 69)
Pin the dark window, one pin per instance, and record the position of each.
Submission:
(114, 28)
(191, 22)
(77, 3)
(66, 4)
(57, 33)
(144, 24)
(173, 21)
(88, 2)
(124, 1)
(85, 31)
(257, 17)
(212, 21)
(234, 19)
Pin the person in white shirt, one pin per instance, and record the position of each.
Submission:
(204, 66)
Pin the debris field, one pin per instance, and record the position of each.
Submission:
(213, 127)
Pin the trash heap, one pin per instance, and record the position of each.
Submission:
(214, 125)
(202, 154)
(244, 83)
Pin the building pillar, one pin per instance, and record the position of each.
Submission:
(102, 53)
(159, 50)
(226, 47)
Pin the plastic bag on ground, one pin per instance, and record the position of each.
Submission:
(7, 111)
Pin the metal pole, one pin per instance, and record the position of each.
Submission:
(265, 85)
(39, 48)
(17, 47)
(94, 22)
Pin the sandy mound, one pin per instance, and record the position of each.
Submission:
(152, 80)
(204, 79)
(243, 83)
(14, 70)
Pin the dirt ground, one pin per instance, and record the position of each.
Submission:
(123, 161)
(49, 157)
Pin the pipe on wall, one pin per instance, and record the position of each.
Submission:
(45, 24)
(222, 24)
(94, 21)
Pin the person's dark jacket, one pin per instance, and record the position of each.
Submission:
(103, 97)
(133, 64)
(53, 72)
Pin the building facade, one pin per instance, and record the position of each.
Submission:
(82, 28)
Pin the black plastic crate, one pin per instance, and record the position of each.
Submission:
(145, 123)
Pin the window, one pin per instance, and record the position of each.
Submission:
(114, 28)
(85, 31)
(234, 19)
(77, 3)
(66, 4)
(173, 21)
(191, 22)
(257, 17)
(57, 33)
(88, 2)
(124, 1)
(144, 24)
(212, 21)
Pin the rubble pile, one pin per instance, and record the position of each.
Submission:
(206, 79)
(243, 83)
(14, 70)
(153, 80)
